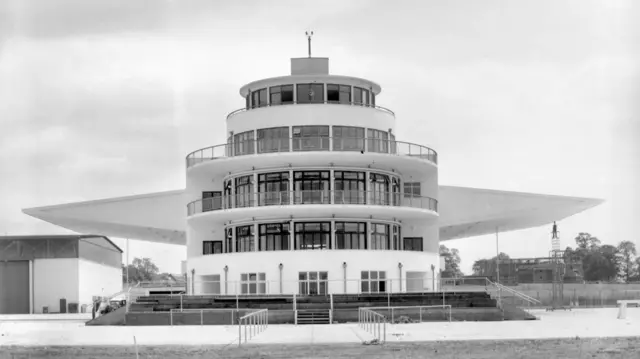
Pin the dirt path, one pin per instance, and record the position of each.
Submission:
(624, 348)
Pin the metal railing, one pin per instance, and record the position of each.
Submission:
(201, 312)
(373, 323)
(253, 324)
(306, 144)
(391, 312)
(285, 198)
(358, 104)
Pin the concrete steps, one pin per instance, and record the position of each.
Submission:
(313, 317)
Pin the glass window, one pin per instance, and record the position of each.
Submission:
(411, 189)
(310, 93)
(373, 99)
(313, 283)
(228, 193)
(244, 239)
(244, 191)
(395, 191)
(275, 139)
(365, 97)
(259, 98)
(274, 237)
(346, 138)
(393, 145)
(373, 282)
(244, 143)
(413, 244)
(313, 235)
(380, 238)
(229, 235)
(253, 283)
(349, 187)
(281, 95)
(273, 188)
(377, 141)
(248, 100)
(379, 189)
(397, 236)
(338, 94)
(311, 187)
(357, 96)
(211, 247)
(351, 235)
(310, 138)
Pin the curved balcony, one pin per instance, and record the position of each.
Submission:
(307, 144)
(313, 197)
(244, 109)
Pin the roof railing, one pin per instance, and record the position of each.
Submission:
(312, 143)
(333, 197)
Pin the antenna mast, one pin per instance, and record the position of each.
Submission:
(309, 34)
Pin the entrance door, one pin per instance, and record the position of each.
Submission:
(14, 287)
(313, 283)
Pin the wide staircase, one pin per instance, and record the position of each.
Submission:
(287, 309)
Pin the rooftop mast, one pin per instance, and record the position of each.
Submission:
(309, 34)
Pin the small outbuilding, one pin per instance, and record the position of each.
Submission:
(56, 273)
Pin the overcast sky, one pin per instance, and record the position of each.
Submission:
(104, 98)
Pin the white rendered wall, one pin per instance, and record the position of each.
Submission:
(95, 279)
(54, 279)
(311, 115)
(330, 261)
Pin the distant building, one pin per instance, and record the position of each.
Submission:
(56, 273)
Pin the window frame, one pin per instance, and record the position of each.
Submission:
(209, 247)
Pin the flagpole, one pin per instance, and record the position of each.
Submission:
(127, 267)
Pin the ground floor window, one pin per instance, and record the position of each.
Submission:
(413, 244)
(373, 282)
(253, 283)
(313, 283)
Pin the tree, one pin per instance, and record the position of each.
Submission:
(627, 252)
(484, 267)
(451, 262)
(140, 269)
(586, 241)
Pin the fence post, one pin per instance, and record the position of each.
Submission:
(239, 331)
(420, 314)
(171, 317)
(180, 302)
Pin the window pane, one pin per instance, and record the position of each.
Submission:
(364, 275)
(374, 275)
(243, 276)
(365, 287)
(262, 276)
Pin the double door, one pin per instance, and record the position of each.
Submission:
(313, 283)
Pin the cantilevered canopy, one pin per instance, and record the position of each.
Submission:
(161, 217)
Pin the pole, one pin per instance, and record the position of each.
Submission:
(498, 264)
(127, 267)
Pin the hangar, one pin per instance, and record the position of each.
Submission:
(56, 273)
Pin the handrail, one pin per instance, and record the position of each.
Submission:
(335, 197)
(516, 293)
(257, 322)
(307, 144)
(374, 323)
(359, 104)
(487, 282)
(420, 307)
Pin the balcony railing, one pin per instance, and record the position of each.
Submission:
(358, 104)
(317, 143)
(335, 197)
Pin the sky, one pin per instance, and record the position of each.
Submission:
(104, 98)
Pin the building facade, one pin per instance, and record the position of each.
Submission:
(56, 274)
(312, 194)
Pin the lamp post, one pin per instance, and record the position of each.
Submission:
(433, 278)
(344, 271)
(193, 281)
(400, 271)
(226, 272)
(280, 267)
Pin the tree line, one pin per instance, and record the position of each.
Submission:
(600, 262)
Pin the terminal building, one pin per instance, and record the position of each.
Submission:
(312, 193)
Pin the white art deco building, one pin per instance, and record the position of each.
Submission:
(312, 194)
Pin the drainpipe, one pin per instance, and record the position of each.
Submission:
(280, 266)
(226, 277)
(344, 270)
(400, 272)
(193, 281)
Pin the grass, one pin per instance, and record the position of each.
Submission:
(627, 348)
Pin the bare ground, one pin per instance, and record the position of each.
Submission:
(624, 348)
